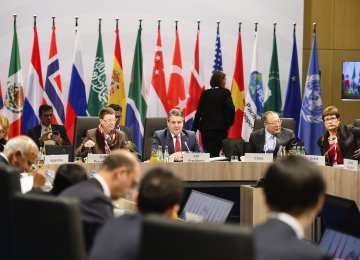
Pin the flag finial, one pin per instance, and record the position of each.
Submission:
(140, 20)
(176, 24)
(117, 23)
(100, 23)
(218, 26)
(314, 27)
(15, 15)
(294, 24)
(256, 26)
(35, 19)
(76, 21)
(274, 23)
(53, 20)
(159, 21)
(198, 23)
(240, 22)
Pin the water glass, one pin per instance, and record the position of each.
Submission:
(78, 160)
(234, 158)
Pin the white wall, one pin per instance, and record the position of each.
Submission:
(229, 12)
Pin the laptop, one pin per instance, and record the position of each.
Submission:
(60, 149)
(209, 208)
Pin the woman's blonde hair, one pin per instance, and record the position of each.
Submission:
(4, 122)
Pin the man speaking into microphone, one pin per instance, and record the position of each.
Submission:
(175, 137)
(104, 138)
(269, 138)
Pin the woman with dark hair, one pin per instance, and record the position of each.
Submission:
(215, 114)
(68, 175)
(339, 141)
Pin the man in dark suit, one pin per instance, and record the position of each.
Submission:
(47, 133)
(118, 174)
(269, 138)
(160, 192)
(294, 191)
(175, 137)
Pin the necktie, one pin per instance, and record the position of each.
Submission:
(177, 144)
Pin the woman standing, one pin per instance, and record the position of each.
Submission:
(215, 114)
(339, 141)
(4, 130)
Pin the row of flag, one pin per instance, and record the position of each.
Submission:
(157, 99)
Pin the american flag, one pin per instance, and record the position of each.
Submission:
(218, 57)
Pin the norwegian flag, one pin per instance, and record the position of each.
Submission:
(176, 90)
(197, 85)
(157, 100)
(53, 89)
(218, 56)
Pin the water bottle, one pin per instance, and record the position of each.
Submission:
(89, 152)
(302, 151)
(292, 150)
(281, 152)
(298, 150)
(153, 157)
(41, 155)
(166, 154)
(159, 154)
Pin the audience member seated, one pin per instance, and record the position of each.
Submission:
(67, 175)
(269, 138)
(103, 139)
(47, 133)
(294, 192)
(175, 137)
(4, 130)
(160, 192)
(117, 175)
(339, 140)
(22, 152)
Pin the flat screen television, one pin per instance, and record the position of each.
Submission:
(350, 89)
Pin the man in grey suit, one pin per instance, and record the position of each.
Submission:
(294, 191)
(269, 138)
(175, 137)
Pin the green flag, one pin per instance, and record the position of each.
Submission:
(273, 92)
(137, 98)
(98, 96)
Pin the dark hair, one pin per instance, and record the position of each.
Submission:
(106, 111)
(44, 108)
(217, 79)
(68, 175)
(293, 185)
(119, 159)
(175, 112)
(116, 107)
(330, 111)
(159, 190)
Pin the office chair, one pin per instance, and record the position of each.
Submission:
(82, 124)
(233, 146)
(193, 241)
(288, 123)
(151, 125)
(357, 124)
(47, 227)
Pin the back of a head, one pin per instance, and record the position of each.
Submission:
(21, 143)
(159, 190)
(68, 175)
(217, 79)
(119, 158)
(293, 185)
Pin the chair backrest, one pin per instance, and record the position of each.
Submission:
(9, 185)
(82, 124)
(233, 146)
(151, 125)
(288, 123)
(357, 124)
(194, 241)
(47, 227)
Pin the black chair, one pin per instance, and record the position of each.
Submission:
(151, 125)
(164, 239)
(233, 146)
(82, 124)
(9, 185)
(288, 123)
(357, 124)
(47, 227)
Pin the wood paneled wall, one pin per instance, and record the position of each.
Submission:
(338, 39)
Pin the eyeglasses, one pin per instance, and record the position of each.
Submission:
(332, 118)
(275, 122)
(109, 121)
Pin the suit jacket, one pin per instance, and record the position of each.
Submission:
(35, 134)
(215, 111)
(99, 141)
(276, 240)
(163, 138)
(285, 138)
(95, 207)
(3, 160)
(119, 239)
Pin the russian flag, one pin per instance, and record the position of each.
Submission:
(76, 105)
(34, 90)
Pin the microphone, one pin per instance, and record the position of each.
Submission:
(187, 147)
(331, 148)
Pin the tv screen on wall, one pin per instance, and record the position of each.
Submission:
(350, 80)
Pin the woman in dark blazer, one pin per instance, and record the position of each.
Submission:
(215, 114)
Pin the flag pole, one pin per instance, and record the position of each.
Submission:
(218, 26)
(159, 21)
(140, 20)
(100, 23)
(176, 25)
(198, 23)
(117, 23)
(240, 22)
(275, 23)
(35, 19)
(15, 15)
(53, 20)
(314, 27)
(256, 26)
(294, 24)
(76, 21)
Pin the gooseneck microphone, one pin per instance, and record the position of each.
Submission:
(187, 147)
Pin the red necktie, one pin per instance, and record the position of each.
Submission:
(177, 144)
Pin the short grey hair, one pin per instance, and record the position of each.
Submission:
(20, 143)
(264, 116)
(175, 112)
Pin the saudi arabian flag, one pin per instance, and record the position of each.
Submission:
(273, 92)
(137, 98)
(98, 97)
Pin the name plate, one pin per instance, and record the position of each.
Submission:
(259, 157)
(56, 159)
(196, 157)
(96, 158)
(319, 160)
(351, 164)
